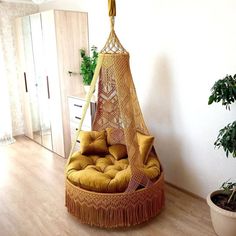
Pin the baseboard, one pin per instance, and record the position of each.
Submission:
(186, 191)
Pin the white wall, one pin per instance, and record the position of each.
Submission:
(9, 11)
(178, 49)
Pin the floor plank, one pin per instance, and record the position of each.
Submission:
(32, 201)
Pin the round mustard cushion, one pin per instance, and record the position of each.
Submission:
(105, 174)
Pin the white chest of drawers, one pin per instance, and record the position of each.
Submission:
(75, 105)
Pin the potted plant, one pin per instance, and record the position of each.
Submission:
(88, 65)
(222, 202)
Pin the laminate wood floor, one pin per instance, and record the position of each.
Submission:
(32, 201)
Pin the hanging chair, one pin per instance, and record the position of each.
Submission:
(120, 185)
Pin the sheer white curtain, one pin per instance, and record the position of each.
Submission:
(5, 110)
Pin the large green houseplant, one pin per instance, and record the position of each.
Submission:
(223, 202)
(88, 65)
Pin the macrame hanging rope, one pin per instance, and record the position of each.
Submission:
(112, 12)
(113, 44)
(112, 7)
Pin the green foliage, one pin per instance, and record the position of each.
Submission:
(227, 139)
(224, 90)
(88, 65)
(229, 189)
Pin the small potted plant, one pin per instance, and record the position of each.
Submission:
(88, 65)
(222, 202)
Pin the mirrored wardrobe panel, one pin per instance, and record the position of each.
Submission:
(42, 90)
(36, 82)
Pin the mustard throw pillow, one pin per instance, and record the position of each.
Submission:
(145, 143)
(118, 151)
(115, 136)
(93, 142)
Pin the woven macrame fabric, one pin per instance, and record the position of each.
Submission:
(118, 108)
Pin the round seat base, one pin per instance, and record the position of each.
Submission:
(110, 210)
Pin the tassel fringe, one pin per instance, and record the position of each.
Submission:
(115, 210)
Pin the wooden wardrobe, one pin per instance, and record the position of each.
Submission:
(48, 45)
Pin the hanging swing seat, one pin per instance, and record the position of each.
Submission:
(115, 179)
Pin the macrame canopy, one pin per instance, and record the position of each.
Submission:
(117, 105)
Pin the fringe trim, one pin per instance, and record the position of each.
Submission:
(111, 217)
(133, 210)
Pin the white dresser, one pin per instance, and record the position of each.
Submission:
(75, 109)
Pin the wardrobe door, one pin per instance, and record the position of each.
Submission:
(42, 89)
(51, 70)
(23, 77)
(33, 119)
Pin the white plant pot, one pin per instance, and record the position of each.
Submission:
(223, 221)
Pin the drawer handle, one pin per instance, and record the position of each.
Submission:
(76, 117)
(76, 105)
(77, 141)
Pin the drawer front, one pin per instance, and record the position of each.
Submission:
(77, 141)
(87, 120)
(76, 102)
(74, 128)
(75, 108)
(77, 146)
